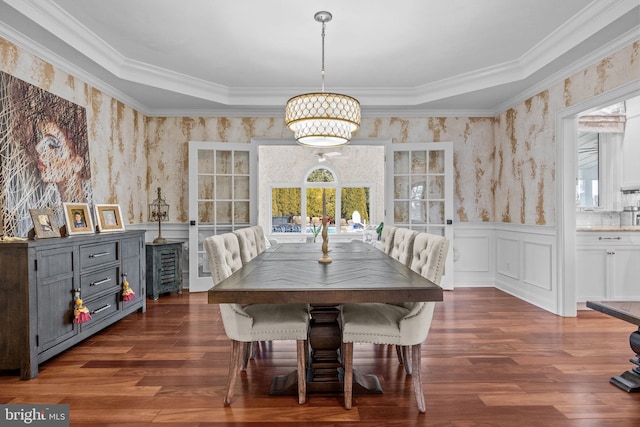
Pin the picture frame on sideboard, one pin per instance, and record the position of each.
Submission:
(78, 218)
(109, 218)
(45, 225)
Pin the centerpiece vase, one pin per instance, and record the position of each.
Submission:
(325, 243)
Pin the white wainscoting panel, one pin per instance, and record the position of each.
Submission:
(508, 257)
(526, 264)
(474, 255)
(537, 265)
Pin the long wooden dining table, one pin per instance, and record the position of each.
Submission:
(291, 273)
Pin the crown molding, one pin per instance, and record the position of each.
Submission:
(36, 49)
(263, 102)
(595, 16)
(278, 111)
(614, 46)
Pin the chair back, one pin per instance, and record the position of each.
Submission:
(414, 326)
(402, 247)
(386, 238)
(429, 256)
(261, 240)
(223, 253)
(248, 244)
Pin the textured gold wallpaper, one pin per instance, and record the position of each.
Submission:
(504, 165)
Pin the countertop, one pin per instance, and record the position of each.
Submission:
(612, 228)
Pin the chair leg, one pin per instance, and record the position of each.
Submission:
(246, 354)
(347, 361)
(417, 382)
(399, 354)
(237, 352)
(406, 357)
(302, 371)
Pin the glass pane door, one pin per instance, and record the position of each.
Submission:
(221, 195)
(420, 192)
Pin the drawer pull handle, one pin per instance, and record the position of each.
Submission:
(99, 254)
(101, 309)
(100, 282)
(610, 238)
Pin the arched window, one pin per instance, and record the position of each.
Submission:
(347, 207)
(321, 201)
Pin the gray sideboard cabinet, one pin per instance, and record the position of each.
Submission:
(164, 268)
(39, 280)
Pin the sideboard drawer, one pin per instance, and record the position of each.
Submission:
(99, 282)
(95, 255)
(102, 308)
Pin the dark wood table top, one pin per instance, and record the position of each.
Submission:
(291, 273)
(629, 311)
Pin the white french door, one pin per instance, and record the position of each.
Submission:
(222, 183)
(419, 192)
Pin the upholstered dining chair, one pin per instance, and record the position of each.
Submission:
(254, 322)
(386, 238)
(429, 255)
(380, 323)
(428, 259)
(402, 247)
(252, 243)
(261, 240)
(247, 241)
(404, 325)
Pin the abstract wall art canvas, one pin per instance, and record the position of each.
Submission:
(44, 154)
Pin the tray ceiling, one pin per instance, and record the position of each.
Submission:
(166, 57)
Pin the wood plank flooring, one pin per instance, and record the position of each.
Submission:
(489, 360)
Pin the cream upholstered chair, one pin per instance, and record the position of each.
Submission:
(429, 255)
(248, 244)
(261, 240)
(255, 322)
(428, 258)
(386, 238)
(225, 258)
(405, 325)
(402, 247)
(380, 323)
(223, 254)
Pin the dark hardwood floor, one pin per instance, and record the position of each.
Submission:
(489, 360)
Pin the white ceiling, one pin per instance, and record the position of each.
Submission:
(210, 57)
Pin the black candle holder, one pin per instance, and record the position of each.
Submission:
(159, 211)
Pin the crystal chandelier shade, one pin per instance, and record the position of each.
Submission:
(323, 119)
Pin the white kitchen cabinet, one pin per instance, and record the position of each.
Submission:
(607, 266)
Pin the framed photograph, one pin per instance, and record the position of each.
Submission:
(44, 223)
(78, 218)
(109, 218)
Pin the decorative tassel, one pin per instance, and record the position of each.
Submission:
(80, 313)
(127, 292)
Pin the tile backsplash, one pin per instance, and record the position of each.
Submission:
(597, 218)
